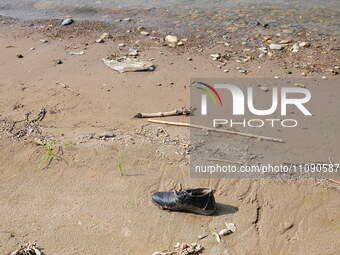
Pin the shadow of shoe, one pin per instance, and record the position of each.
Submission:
(222, 209)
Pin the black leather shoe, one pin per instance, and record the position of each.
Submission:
(199, 200)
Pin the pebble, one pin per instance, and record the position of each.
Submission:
(216, 56)
(286, 41)
(304, 44)
(19, 55)
(274, 46)
(171, 39)
(145, 33)
(59, 62)
(43, 40)
(189, 59)
(128, 19)
(264, 89)
(140, 28)
(106, 36)
(121, 45)
(180, 43)
(67, 22)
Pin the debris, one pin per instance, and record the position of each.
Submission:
(304, 44)
(231, 228)
(129, 65)
(102, 136)
(217, 236)
(67, 87)
(67, 22)
(76, 53)
(227, 161)
(299, 85)
(171, 39)
(200, 237)
(295, 48)
(264, 88)
(27, 249)
(274, 46)
(187, 249)
(133, 52)
(216, 130)
(183, 111)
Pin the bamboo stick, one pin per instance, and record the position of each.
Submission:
(216, 130)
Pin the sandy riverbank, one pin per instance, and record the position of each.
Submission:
(83, 205)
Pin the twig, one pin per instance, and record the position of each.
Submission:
(163, 114)
(226, 160)
(67, 87)
(217, 130)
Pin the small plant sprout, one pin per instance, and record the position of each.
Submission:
(49, 155)
(120, 166)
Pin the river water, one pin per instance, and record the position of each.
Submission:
(201, 15)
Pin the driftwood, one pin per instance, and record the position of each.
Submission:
(163, 114)
(217, 130)
(226, 161)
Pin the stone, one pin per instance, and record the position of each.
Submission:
(304, 44)
(106, 36)
(171, 39)
(145, 33)
(274, 46)
(67, 22)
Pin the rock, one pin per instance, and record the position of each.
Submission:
(100, 40)
(189, 59)
(121, 45)
(171, 39)
(215, 56)
(106, 36)
(264, 89)
(129, 65)
(43, 40)
(274, 46)
(304, 44)
(180, 43)
(140, 28)
(19, 55)
(67, 22)
(145, 33)
(127, 19)
(286, 41)
(59, 62)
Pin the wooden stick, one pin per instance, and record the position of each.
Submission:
(226, 161)
(163, 114)
(217, 130)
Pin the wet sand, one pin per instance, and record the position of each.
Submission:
(84, 205)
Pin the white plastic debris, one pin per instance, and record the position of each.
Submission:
(129, 65)
(76, 53)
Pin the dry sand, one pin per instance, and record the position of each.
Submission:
(82, 204)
